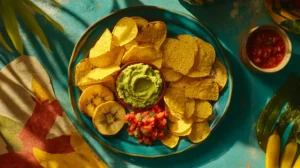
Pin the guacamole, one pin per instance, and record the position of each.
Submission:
(139, 85)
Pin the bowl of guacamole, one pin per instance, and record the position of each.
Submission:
(139, 85)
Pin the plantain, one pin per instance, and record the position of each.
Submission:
(92, 97)
(273, 150)
(288, 155)
(109, 118)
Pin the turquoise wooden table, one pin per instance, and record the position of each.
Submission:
(233, 144)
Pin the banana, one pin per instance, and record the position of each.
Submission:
(288, 155)
(297, 163)
(109, 118)
(92, 97)
(273, 150)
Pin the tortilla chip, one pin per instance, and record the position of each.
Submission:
(82, 69)
(102, 73)
(180, 126)
(219, 74)
(183, 82)
(170, 75)
(185, 133)
(205, 57)
(203, 109)
(130, 44)
(198, 119)
(103, 44)
(190, 108)
(125, 30)
(170, 140)
(175, 100)
(154, 33)
(140, 22)
(157, 63)
(170, 116)
(200, 131)
(108, 82)
(138, 53)
(205, 90)
(180, 54)
(109, 58)
(196, 74)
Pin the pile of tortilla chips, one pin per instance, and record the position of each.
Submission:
(132, 39)
(196, 77)
(188, 64)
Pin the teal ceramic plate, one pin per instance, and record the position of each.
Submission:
(177, 23)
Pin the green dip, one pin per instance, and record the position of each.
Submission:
(139, 85)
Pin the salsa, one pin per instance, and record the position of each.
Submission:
(149, 125)
(266, 48)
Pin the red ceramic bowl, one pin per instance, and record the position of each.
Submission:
(162, 90)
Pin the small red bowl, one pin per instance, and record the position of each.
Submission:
(161, 93)
(244, 57)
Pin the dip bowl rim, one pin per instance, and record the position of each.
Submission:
(162, 89)
(247, 61)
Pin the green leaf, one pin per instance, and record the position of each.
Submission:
(29, 20)
(3, 42)
(271, 111)
(41, 12)
(9, 130)
(291, 25)
(55, 3)
(10, 22)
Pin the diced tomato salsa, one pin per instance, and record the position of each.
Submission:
(147, 126)
(266, 48)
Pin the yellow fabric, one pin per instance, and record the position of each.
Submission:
(39, 91)
(83, 157)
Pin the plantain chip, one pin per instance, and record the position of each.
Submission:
(203, 109)
(205, 89)
(125, 30)
(170, 140)
(200, 131)
(170, 75)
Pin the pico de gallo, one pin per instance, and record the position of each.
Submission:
(266, 48)
(149, 125)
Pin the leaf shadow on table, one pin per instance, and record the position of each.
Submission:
(116, 6)
(219, 142)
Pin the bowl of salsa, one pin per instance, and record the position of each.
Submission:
(266, 49)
